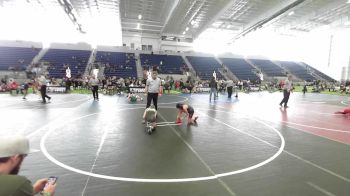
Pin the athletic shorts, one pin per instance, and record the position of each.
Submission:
(133, 99)
(190, 111)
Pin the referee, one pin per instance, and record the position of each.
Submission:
(94, 82)
(153, 89)
(229, 86)
(287, 88)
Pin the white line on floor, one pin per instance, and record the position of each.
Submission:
(228, 189)
(308, 162)
(302, 125)
(105, 132)
(50, 123)
(52, 159)
(320, 189)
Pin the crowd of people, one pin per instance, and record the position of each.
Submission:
(112, 85)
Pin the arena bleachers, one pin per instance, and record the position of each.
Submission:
(324, 76)
(168, 64)
(268, 67)
(297, 70)
(117, 64)
(59, 59)
(240, 68)
(16, 58)
(205, 66)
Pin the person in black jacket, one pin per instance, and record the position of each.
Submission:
(212, 86)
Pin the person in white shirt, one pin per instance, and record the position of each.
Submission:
(287, 88)
(93, 82)
(153, 88)
(229, 86)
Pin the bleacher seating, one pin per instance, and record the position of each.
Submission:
(119, 64)
(297, 70)
(16, 58)
(268, 67)
(324, 76)
(240, 68)
(58, 58)
(205, 66)
(168, 64)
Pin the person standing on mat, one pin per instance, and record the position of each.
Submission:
(25, 89)
(229, 86)
(287, 88)
(153, 89)
(212, 86)
(43, 88)
(94, 86)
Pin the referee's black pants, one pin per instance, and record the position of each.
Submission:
(229, 91)
(285, 99)
(154, 97)
(43, 93)
(95, 91)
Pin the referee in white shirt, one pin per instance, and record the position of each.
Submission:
(229, 86)
(94, 82)
(287, 88)
(153, 89)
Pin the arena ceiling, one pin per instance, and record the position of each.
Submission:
(173, 17)
(189, 18)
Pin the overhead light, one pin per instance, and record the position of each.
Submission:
(192, 22)
(140, 17)
(138, 26)
(169, 38)
(184, 33)
(291, 13)
(187, 28)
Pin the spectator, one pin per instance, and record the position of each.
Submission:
(25, 89)
(212, 86)
(43, 88)
(94, 82)
(13, 150)
(287, 89)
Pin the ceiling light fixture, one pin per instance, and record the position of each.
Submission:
(291, 13)
(140, 16)
(192, 22)
(184, 33)
(187, 28)
(138, 26)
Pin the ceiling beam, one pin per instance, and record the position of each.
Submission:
(318, 19)
(175, 4)
(272, 14)
(227, 6)
(134, 28)
(71, 13)
(131, 20)
(143, 24)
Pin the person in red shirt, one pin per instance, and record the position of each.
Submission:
(346, 112)
(188, 110)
